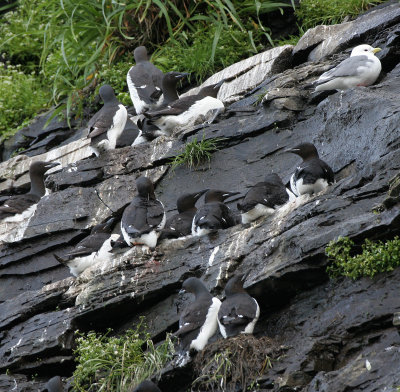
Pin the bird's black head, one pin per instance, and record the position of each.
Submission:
(140, 54)
(235, 285)
(146, 386)
(54, 385)
(40, 167)
(188, 200)
(145, 187)
(174, 77)
(107, 94)
(193, 285)
(212, 89)
(217, 195)
(305, 150)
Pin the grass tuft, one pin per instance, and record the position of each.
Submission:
(196, 152)
(116, 363)
(311, 13)
(375, 257)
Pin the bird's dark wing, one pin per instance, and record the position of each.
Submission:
(146, 84)
(155, 213)
(88, 245)
(103, 120)
(237, 312)
(17, 204)
(192, 317)
(173, 109)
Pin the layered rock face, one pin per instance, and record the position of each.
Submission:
(338, 335)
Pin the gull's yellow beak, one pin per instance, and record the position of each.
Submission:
(376, 50)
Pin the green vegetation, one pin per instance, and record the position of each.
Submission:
(75, 46)
(196, 152)
(116, 363)
(22, 97)
(375, 257)
(311, 13)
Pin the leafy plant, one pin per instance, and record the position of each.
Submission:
(196, 152)
(315, 12)
(117, 363)
(375, 257)
(22, 97)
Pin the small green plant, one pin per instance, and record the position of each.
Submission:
(375, 257)
(315, 12)
(116, 363)
(196, 152)
(22, 97)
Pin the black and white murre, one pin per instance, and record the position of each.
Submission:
(149, 131)
(214, 215)
(147, 386)
(313, 175)
(180, 225)
(264, 198)
(187, 110)
(92, 249)
(144, 81)
(18, 207)
(54, 385)
(144, 217)
(107, 124)
(198, 321)
(239, 312)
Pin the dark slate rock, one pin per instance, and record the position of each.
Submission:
(20, 383)
(22, 307)
(37, 339)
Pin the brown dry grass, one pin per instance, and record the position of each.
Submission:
(234, 364)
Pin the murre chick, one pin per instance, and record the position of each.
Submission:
(239, 312)
(362, 68)
(144, 217)
(214, 215)
(147, 130)
(107, 124)
(18, 207)
(144, 82)
(187, 110)
(198, 321)
(313, 175)
(147, 386)
(180, 224)
(92, 249)
(264, 198)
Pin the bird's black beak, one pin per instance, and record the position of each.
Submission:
(182, 75)
(293, 150)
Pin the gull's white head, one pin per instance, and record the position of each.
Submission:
(364, 50)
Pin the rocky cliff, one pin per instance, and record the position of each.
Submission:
(337, 335)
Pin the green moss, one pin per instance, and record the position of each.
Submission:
(22, 96)
(117, 363)
(196, 152)
(375, 257)
(311, 13)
